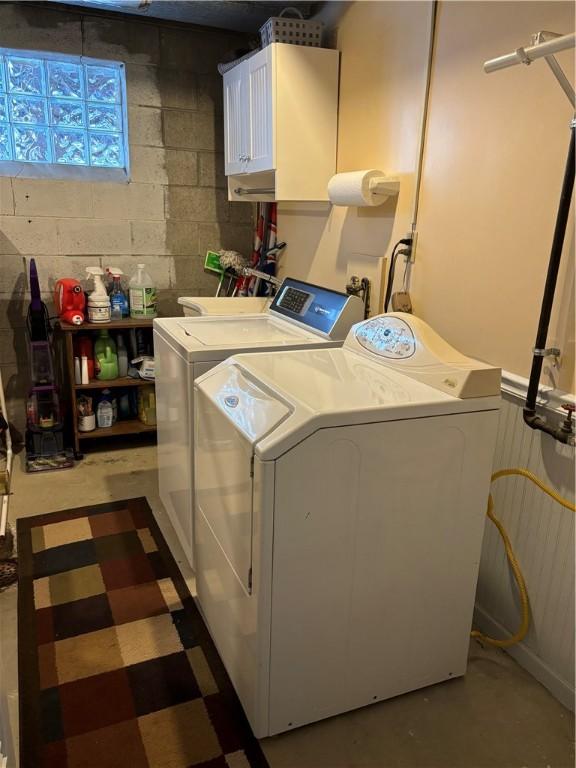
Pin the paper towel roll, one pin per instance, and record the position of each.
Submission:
(354, 188)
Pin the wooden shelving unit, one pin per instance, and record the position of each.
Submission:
(124, 427)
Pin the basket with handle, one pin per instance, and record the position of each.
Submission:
(291, 29)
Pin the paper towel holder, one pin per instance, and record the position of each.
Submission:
(385, 186)
(374, 188)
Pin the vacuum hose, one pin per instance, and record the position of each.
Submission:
(524, 601)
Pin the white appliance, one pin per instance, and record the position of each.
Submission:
(301, 315)
(195, 306)
(340, 507)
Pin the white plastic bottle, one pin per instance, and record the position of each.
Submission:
(142, 295)
(98, 301)
(122, 356)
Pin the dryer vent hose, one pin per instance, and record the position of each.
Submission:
(521, 584)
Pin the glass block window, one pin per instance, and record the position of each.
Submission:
(58, 110)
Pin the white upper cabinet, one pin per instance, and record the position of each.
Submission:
(235, 119)
(280, 124)
(259, 145)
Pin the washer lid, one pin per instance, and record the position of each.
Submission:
(224, 305)
(216, 338)
(242, 330)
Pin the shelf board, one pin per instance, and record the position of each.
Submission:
(124, 381)
(128, 427)
(115, 325)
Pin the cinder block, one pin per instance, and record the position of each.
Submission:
(192, 130)
(181, 238)
(145, 126)
(6, 197)
(191, 50)
(27, 236)
(121, 40)
(148, 237)
(182, 167)
(52, 268)
(196, 204)
(7, 350)
(27, 26)
(16, 378)
(91, 237)
(230, 236)
(177, 88)
(158, 267)
(142, 85)
(48, 197)
(211, 170)
(13, 276)
(128, 201)
(242, 212)
(187, 274)
(210, 94)
(168, 303)
(148, 165)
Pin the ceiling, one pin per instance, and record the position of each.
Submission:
(237, 15)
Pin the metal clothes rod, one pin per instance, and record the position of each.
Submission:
(531, 53)
(262, 191)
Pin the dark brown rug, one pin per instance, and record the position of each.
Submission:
(116, 666)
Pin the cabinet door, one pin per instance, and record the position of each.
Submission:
(260, 123)
(235, 119)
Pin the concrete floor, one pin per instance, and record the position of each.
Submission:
(496, 716)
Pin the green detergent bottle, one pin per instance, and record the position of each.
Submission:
(105, 357)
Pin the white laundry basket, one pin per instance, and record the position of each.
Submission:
(297, 31)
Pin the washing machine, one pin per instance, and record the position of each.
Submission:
(340, 507)
(301, 316)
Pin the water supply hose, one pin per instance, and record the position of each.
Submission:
(519, 578)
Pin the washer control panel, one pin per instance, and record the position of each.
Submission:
(320, 309)
(295, 300)
(387, 336)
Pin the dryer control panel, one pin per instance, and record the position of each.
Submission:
(331, 313)
(387, 336)
(409, 345)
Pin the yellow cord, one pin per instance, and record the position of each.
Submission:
(524, 601)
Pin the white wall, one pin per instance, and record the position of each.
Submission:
(542, 533)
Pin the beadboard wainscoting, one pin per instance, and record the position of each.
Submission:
(542, 535)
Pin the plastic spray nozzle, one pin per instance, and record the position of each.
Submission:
(96, 273)
(115, 272)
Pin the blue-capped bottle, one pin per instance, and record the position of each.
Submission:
(119, 305)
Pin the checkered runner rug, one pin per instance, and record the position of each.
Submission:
(116, 667)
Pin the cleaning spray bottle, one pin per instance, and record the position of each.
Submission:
(118, 299)
(142, 295)
(98, 301)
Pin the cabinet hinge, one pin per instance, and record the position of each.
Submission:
(252, 466)
(250, 580)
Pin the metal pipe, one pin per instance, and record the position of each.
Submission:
(530, 417)
(531, 53)
(262, 191)
(424, 125)
(557, 71)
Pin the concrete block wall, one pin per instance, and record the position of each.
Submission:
(175, 206)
